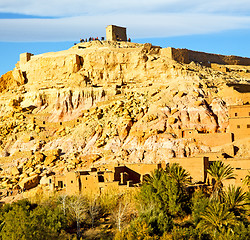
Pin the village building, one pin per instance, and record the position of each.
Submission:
(97, 179)
(239, 121)
(102, 177)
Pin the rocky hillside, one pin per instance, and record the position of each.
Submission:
(102, 102)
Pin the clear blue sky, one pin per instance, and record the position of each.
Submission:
(216, 26)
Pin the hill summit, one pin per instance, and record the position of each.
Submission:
(120, 102)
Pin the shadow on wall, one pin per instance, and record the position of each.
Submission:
(242, 88)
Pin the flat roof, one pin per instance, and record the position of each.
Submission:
(240, 106)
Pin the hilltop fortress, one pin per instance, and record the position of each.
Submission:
(128, 106)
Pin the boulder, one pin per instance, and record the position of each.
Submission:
(172, 120)
(50, 159)
(15, 171)
(39, 157)
(30, 182)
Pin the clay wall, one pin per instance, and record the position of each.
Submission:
(238, 111)
(209, 139)
(214, 139)
(72, 183)
(116, 33)
(187, 56)
(196, 166)
(240, 127)
(181, 55)
(89, 183)
(212, 156)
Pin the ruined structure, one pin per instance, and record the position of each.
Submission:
(187, 56)
(116, 33)
(101, 178)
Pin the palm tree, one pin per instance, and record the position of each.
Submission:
(247, 180)
(235, 200)
(178, 174)
(217, 220)
(153, 187)
(219, 172)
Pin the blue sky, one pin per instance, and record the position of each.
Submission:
(38, 26)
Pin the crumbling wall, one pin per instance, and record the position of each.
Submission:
(181, 55)
(187, 56)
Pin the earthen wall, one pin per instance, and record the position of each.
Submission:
(187, 56)
(196, 166)
(239, 111)
(214, 139)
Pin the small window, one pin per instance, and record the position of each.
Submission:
(238, 126)
(86, 178)
(189, 132)
(235, 114)
(248, 125)
(50, 181)
(72, 181)
(60, 123)
(249, 114)
(60, 184)
(43, 122)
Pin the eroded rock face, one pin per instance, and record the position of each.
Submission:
(106, 103)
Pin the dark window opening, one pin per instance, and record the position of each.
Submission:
(60, 184)
(60, 123)
(78, 120)
(86, 178)
(248, 125)
(71, 181)
(50, 181)
(43, 122)
(238, 126)
(238, 168)
(100, 179)
(235, 114)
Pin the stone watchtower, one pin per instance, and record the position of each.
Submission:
(116, 33)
